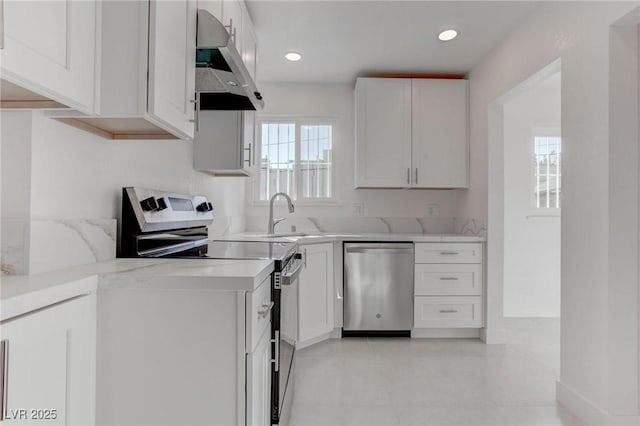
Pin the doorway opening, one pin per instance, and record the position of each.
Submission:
(525, 213)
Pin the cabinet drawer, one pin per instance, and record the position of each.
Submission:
(448, 253)
(447, 312)
(258, 311)
(448, 280)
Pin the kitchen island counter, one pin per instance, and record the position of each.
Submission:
(25, 293)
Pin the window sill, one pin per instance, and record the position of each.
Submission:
(298, 203)
(535, 214)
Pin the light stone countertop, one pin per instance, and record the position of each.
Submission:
(314, 237)
(25, 293)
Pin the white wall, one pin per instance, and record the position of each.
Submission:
(16, 190)
(337, 101)
(578, 33)
(531, 238)
(54, 171)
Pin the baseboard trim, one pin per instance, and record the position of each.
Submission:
(310, 342)
(445, 333)
(493, 336)
(581, 407)
(588, 411)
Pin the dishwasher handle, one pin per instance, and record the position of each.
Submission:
(380, 250)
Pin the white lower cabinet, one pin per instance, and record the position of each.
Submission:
(50, 355)
(259, 383)
(184, 356)
(316, 293)
(447, 312)
(448, 289)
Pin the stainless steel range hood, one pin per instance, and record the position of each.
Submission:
(222, 80)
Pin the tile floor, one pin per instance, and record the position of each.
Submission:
(398, 382)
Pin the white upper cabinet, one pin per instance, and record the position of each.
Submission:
(411, 133)
(214, 7)
(49, 52)
(249, 44)
(172, 49)
(146, 80)
(232, 11)
(383, 132)
(439, 133)
(223, 144)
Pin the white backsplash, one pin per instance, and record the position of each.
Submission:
(51, 244)
(56, 244)
(15, 254)
(351, 225)
(470, 226)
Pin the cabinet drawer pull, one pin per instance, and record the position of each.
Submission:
(408, 175)
(4, 375)
(416, 176)
(448, 311)
(265, 310)
(196, 114)
(449, 253)
(449, 278)
(248, 159)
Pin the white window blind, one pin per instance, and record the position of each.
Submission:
(296, 158)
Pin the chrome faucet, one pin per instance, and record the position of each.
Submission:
(272, 223)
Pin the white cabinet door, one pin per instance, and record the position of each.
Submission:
(172, 50)
(259, 383)
(383, 132)
(51, 360)
(316, 292)
(439, 133)
(232, 19)
(249, 140)
(50, 48)
(249, 45)
(214, 7)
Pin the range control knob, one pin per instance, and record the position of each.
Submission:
(149, 204)
(162, 204)
(203, 207)
(209, 207)
(258, 95)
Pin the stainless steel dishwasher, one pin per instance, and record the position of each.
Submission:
(378, 289)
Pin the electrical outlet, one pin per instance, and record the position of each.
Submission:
(433, 210)
(357, 209)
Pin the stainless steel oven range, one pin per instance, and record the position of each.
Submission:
(162, 224)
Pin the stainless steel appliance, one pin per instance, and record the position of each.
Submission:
(378, 289)
(222, 80)
(163, 224)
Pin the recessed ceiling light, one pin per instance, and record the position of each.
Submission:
(293, 56)
(447, 35)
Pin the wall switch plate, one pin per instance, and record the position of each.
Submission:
(357, 209)
(433, 210)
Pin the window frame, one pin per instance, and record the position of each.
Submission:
(298, 121)
(542, 132)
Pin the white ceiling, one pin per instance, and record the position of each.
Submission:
(340, 40)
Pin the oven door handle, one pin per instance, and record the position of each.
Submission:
(287, 278)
